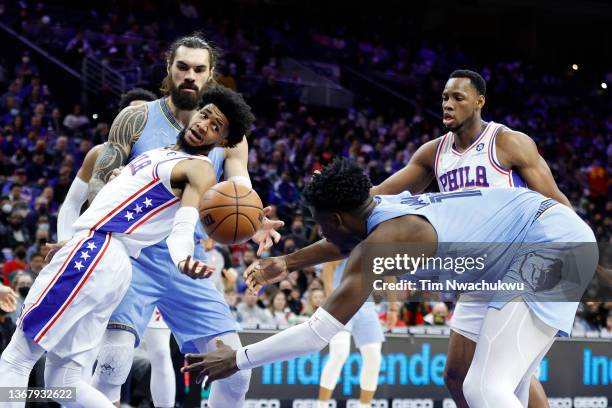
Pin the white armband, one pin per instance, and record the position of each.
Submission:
(295, 341)
(70, 210)
(180, 241)
(245, 181)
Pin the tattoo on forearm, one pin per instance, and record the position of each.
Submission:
(124, 132)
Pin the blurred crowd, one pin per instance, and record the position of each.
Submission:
(41, 147)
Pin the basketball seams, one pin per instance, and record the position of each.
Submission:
(221, 222)
(236, 213)
(250, 222)
(233, 205)
(227, 203)
(235, 190)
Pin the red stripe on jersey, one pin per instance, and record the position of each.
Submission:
(71, 298)
(151, 214)
(57, 275)
(127, 200)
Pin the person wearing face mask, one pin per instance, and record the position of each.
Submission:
(438, 315)
(21, 283)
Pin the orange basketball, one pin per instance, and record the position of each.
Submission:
(231, 212)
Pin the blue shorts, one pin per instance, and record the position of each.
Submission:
(365, 326)
(192, 308)
(561, 236)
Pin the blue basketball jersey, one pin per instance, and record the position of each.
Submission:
(478, 215)
(162, 130)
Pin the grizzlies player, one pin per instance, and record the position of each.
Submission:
(367, 332)
(155, 197)
(514, 335)
(195, 311)
(474, 154)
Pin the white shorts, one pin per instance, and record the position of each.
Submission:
(71, 301)
(468, 318)
(157, 321)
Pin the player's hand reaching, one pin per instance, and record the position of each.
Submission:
(265, 272)
(195, 269)
(53, 248)
(267, 235)
(212, 366)
(8, 299)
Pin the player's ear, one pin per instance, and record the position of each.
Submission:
(337, 219)
(480, 102)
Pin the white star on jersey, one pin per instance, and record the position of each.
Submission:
(91, 246)
(148, 202)
(78, 265)
(85, 255)
(138, 209)
(129, 216)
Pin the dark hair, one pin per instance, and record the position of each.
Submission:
(477, 81)
(194, 40)
(234, 107)
(341, 186)
(136, 94)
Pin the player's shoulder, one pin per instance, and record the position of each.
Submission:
(508, 139)
(427, 151)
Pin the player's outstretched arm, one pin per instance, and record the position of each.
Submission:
(415, 176)
(77, 195)
(271, 270)
(124, 132)
(190, 179)
(519, 151)
(308, 337)
(236, 169)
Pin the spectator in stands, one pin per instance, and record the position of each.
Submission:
(249, 313)
(316, 297)
(76, 119)
(18, 263)
(15, 233)
(292, 295)
(278, 312)
(231, 298)
(37, 262)
(438, 315)
(21, 284)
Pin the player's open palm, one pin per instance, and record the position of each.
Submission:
(267, 235)
(212, 366)
(8, 299)
(195, 268)
(265, 272)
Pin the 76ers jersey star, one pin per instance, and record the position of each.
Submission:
(476, 167)
(138, 206)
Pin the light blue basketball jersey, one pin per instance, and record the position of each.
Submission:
(495, 218)
(479, 215)
(162, 130)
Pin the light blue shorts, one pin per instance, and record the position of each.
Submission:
(192, 308)
(365, 326)
(558, 242)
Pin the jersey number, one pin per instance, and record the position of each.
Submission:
(139, 163)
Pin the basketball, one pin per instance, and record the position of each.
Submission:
(231, 212)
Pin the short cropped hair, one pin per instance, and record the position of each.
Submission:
(477, 81)
(136, 94)
(340, 186)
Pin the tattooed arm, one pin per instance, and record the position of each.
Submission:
(125, 131)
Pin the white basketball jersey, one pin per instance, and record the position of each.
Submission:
(138, 205)
(476, 167)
